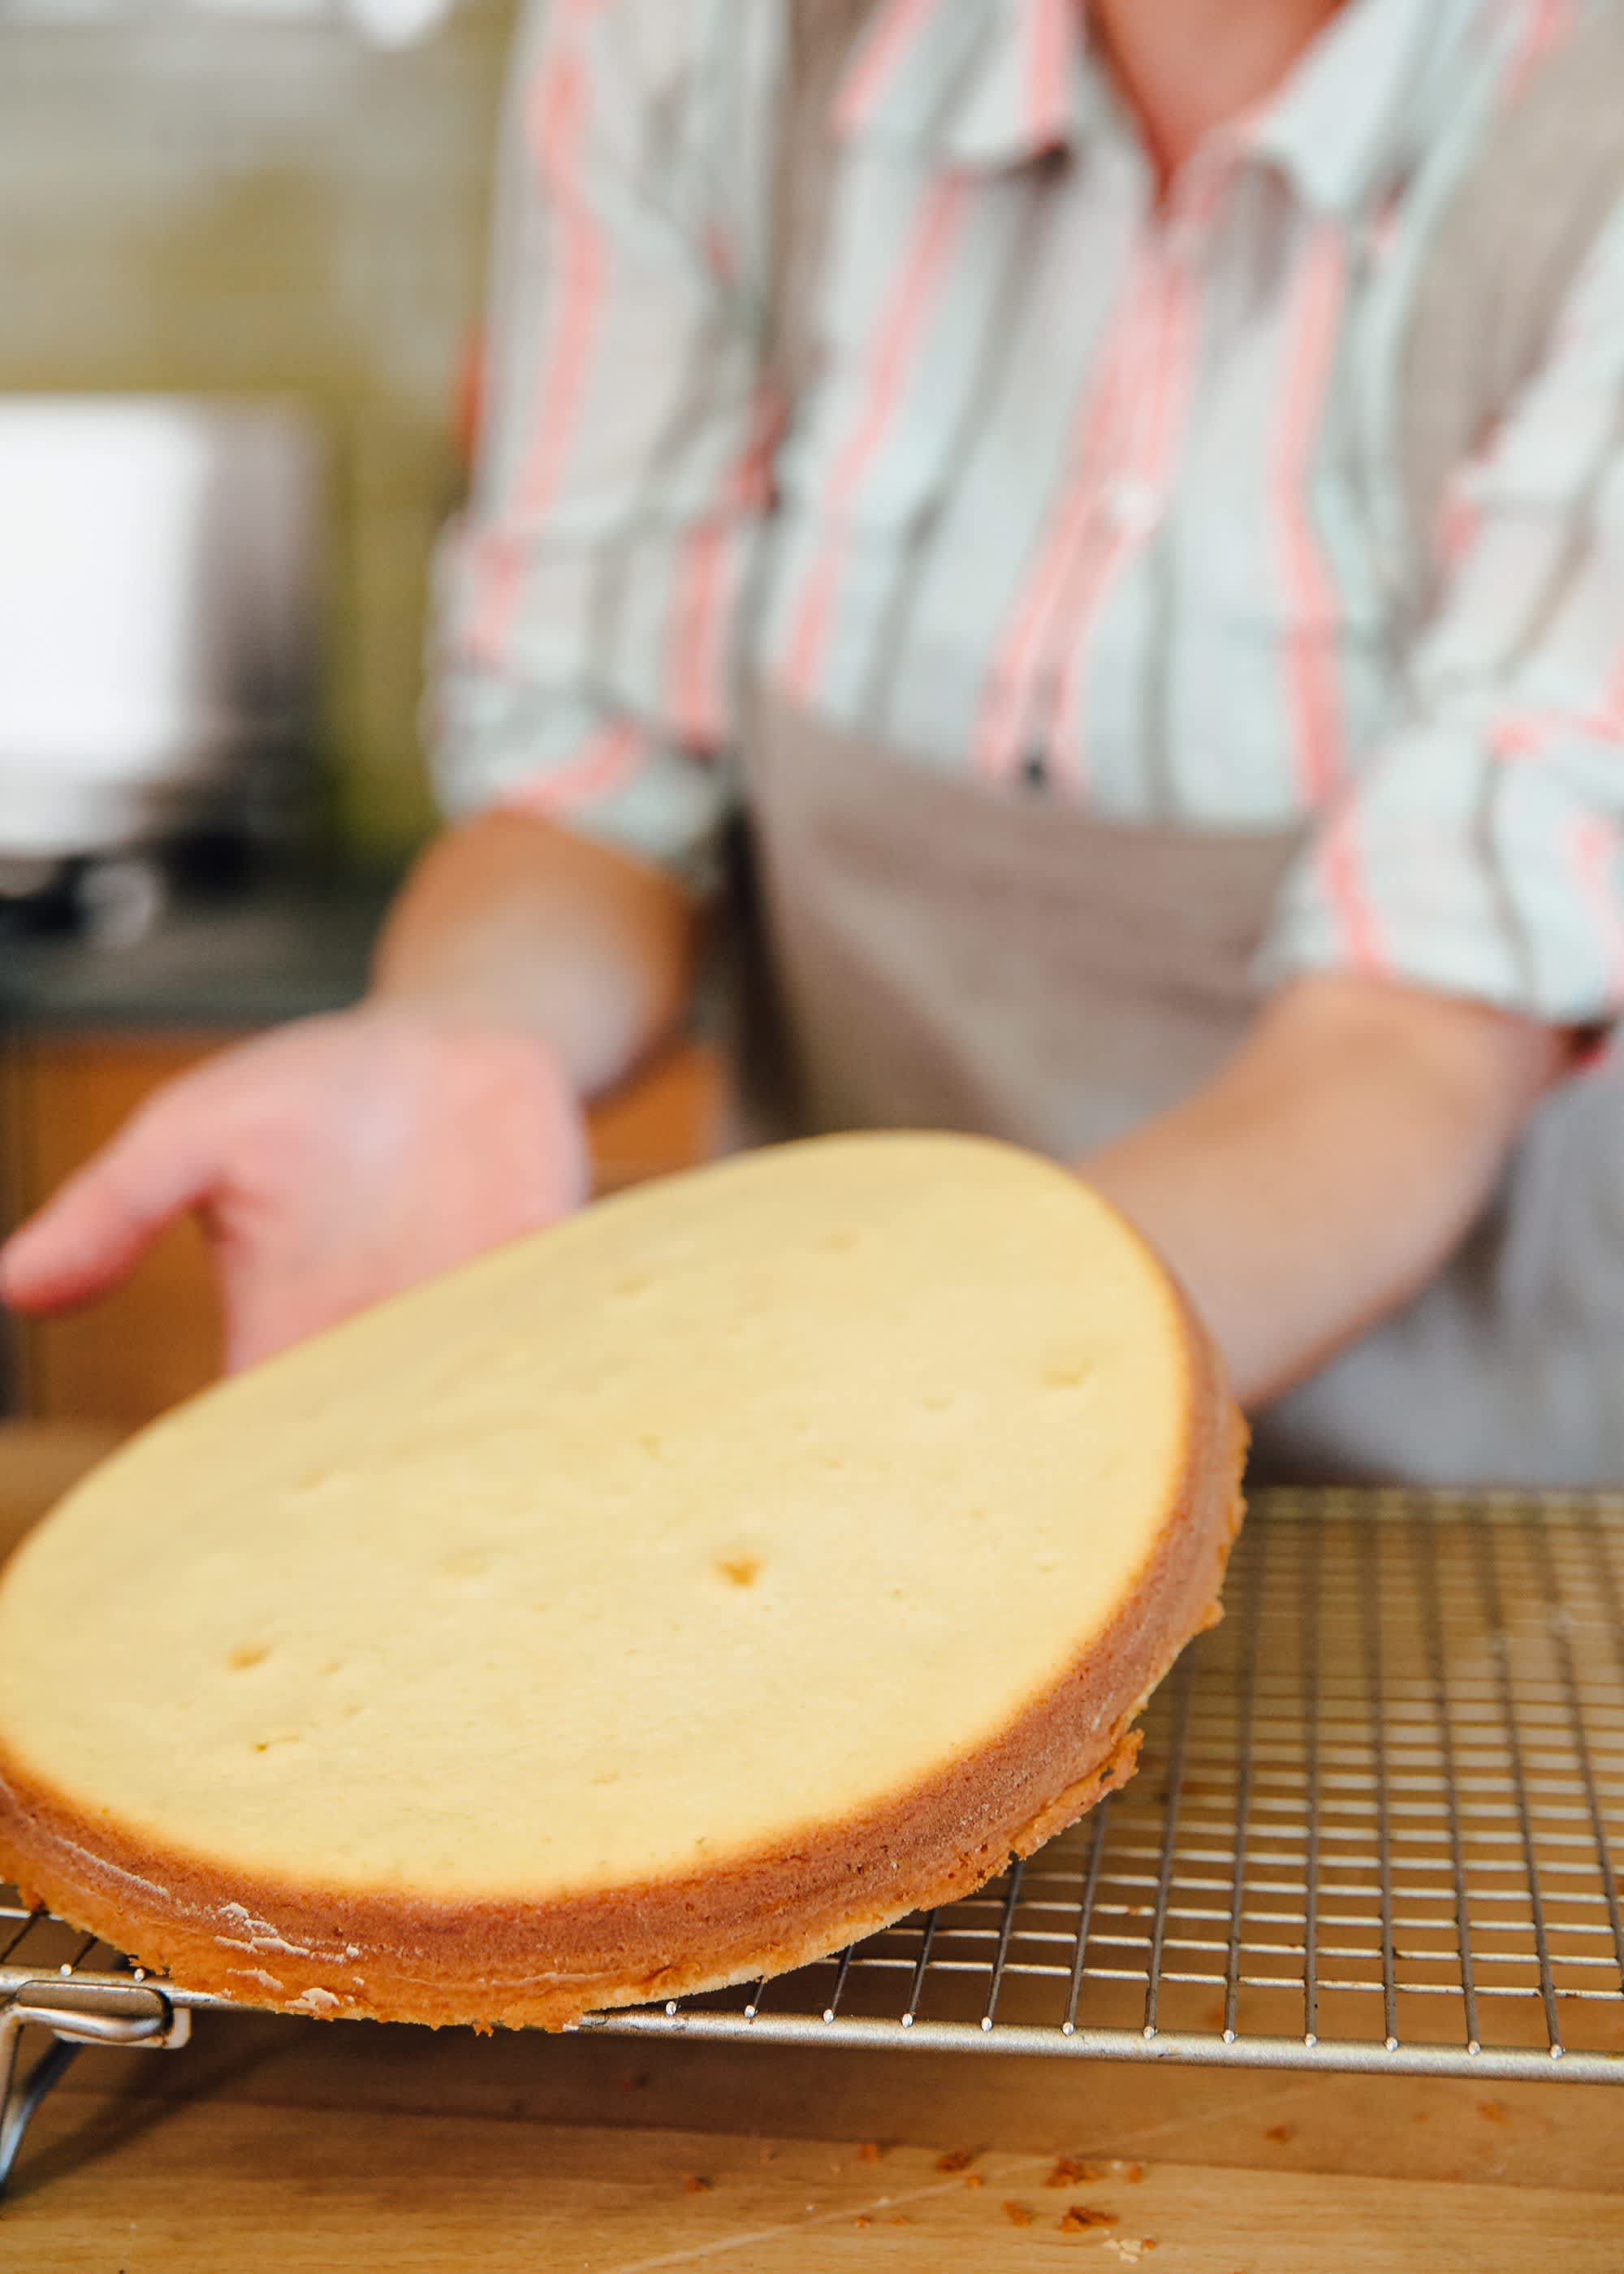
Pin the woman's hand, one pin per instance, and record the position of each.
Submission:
(333, 1163)
(344, 1159)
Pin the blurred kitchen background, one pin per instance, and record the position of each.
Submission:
(244, 200)
(242, 247)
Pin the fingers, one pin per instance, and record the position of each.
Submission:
(91, 1234)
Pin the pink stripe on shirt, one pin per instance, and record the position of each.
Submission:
(1526, 733)
(1343, 874)
(1593, 845)
(1314, 693)
(702, 610)
(1612, 702)
(1163, 340)
(1546, 25)
(879, 58)
(605, 761)
(1006, 720)
(1053, 30)
(560, 114)
(901, 330)
(556, 117)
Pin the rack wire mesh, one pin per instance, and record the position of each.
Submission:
(1375, 1826)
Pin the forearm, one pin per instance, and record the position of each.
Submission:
(511, 922)
(1331, 1168)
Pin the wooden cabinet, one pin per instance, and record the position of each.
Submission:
(64, 1094)
(124, 1358)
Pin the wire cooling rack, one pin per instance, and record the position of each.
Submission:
(1374, 1826)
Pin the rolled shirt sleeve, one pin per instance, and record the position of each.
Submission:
(1480, 851)
(589, 601)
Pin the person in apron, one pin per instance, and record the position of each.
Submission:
(1122, 505)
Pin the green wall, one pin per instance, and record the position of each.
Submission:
(208, 206)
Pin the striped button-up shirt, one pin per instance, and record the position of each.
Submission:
(1079, 494)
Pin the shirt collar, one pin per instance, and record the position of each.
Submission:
(987, 84)
(983, 84)
(1354, 118)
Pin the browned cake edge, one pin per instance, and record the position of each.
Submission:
(261, 1942)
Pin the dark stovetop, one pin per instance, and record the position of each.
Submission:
(277, 947)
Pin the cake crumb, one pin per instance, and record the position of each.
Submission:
(1071, 2172)
(1281, 2133)
(862, 2219)
(1132, 2172)
(695, 2183)
(1494, 2112)
(1080, 2216)
(898, 2218)
(973, 2180)
(1126, 2249)
(867, 2152)
(1017, 2215)
(956, 2159)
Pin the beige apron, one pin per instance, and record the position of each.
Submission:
(944, 955)
(941, 955)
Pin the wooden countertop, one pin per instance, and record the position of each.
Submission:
(303, 2146)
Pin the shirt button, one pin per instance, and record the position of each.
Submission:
(1131, 505)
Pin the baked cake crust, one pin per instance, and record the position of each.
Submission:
(262, 1942)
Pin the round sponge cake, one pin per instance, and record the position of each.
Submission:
(656, 1602)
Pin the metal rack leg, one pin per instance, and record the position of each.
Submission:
(77, 2015)
(21, 2099)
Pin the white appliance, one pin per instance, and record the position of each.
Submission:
(158, 571)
